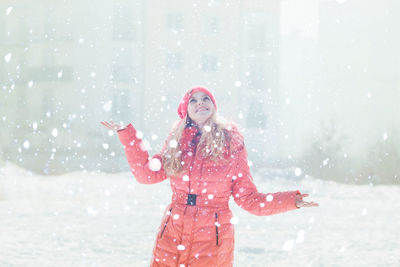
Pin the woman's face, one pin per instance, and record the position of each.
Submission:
(200, 107)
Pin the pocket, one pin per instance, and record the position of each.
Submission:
(166, 223)
(216, 228)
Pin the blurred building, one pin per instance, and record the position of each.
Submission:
(72, 64)
(339, 77)
(290, 73)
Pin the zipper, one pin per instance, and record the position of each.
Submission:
(216, 228)
(191, 165)
(166, 222)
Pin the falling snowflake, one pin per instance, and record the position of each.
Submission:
(145, 145)
(26, 144)
(300, 237)
(364, 212)
(54, 132)
(173, 143)
(7, 57)
(288, 245)
(91, 211)
(139, 134)
(107, 106)
(155, 164)
(8, 11)
(234, 220)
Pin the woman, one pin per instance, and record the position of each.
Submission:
(206, 162)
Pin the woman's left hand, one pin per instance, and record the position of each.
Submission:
(300, 203)
(112, 125)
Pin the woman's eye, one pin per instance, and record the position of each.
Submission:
(206, 98)
(192, 101)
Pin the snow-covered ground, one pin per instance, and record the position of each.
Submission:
(99, 219)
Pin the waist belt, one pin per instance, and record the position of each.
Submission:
(198, 200)
(191, 199)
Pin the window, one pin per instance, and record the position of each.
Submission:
(173, 60)
(256, 36)
(261, 31)
(209, 63)
(123, 69)
(50, 71)
(2, 30)
(256, 117)
(47, 101)
(121, 104)
(57, 26)
(211, 25)
(2, 71)
(257, 72)
(175, 22)
(23, 34)
(124, 26)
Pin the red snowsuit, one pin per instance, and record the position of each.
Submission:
(196, 229)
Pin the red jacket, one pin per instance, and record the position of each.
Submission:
(196, 229)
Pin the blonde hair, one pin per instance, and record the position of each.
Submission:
(213, 142)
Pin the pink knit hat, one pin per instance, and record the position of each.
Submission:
(182, 108)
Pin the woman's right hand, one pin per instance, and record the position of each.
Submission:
(112, 125)
(301, 203)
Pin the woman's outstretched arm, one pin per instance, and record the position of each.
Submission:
(246, 194)
(147, 170)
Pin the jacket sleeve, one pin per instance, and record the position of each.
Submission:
(145, 169)
(247, 197)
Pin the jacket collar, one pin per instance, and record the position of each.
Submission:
(189, 139)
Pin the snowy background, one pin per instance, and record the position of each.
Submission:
(313, 85)
(99, 219)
